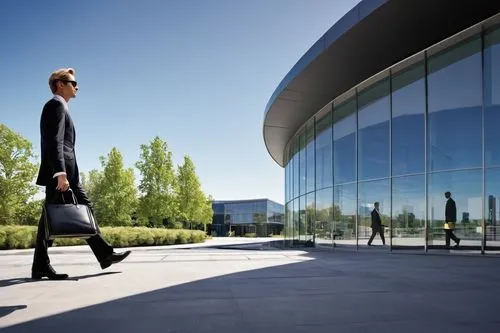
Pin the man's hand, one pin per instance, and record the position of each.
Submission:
(62, 183)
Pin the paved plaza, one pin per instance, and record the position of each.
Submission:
(260, 289)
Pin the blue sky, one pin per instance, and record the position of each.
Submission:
(198, 73)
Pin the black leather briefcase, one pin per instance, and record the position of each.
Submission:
(68, 220)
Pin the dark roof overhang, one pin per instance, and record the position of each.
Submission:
(371, 37)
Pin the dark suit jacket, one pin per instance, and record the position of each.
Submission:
(57, 144)
(450, 212)
(376, 221)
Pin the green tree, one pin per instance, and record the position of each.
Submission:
(31, 212)
(112, 191)
(205, 212)
(158, 204)
(191, 200)
(90, 183)
(17, 172)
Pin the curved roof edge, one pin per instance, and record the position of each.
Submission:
(372, 36)
(346, 22)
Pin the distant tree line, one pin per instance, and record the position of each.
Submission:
(166, 196)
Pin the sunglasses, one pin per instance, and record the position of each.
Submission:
(73, 83)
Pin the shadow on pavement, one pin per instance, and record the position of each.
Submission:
(333, 292)
(10, 282)
(6, 310)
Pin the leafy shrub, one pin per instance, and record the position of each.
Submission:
(17, 237)
(24, 237)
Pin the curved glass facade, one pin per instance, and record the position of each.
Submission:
(427, 125)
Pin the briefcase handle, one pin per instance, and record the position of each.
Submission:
(75, 202)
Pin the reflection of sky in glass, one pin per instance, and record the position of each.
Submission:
(374, 113)
(492, 99)
(310, 161)
(344, 162)
(492, 68)
(324, 159)
(344, 197)
(408, 144)
(287, 182)
(369, 192)
(455, 139)
(454, 100)
(409, 100)
(457, 85)
(344, 127)
(373, 146)
(302, 164)
(492, 134)
(466, 190)
(324, 198)
(295, 169)
(408, 122)
(408, 193)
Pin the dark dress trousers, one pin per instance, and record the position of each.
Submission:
(58, 155)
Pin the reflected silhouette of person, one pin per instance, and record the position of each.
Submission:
(450, 218)
(376, 226)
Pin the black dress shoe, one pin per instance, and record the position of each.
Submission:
(114, 258)
(48, 272)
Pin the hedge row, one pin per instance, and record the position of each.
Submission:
(23, 237)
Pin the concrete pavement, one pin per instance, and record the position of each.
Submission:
(271, 290)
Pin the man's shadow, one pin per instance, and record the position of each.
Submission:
(6, 310)
(14, 281)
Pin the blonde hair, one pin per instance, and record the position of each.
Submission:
(60, 74)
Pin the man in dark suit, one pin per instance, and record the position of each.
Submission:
(377, 226)
(59, 172)
(450, 214)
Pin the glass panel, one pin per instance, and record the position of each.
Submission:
(218, 226)
(310, 167)
(408, 211)
(302, 162)
(373, 135)
(296, 219)
(344, 214)
(288, 170)
(408, 122)
(287, 184)
(324, 216)
(492, 98)
(302, 218)
(288, 228)
(492, 207)
(324, 144)
(344, 142)
(455, 107)
(310, 215)
(290, 177)
(248, 217)
(369, 193)
(466, 190)
(295, 169)
(275, 219)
